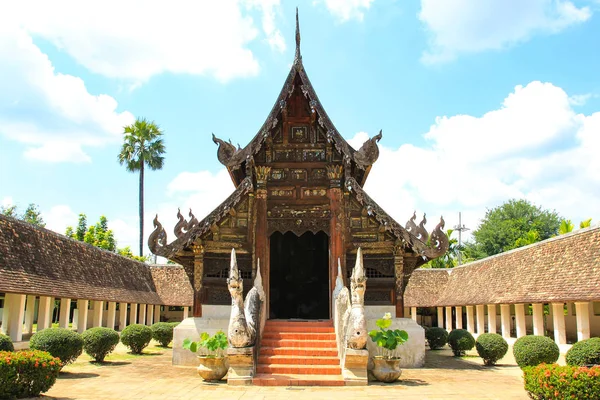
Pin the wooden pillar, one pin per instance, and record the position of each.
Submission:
(491, 318)
(399, 275)
(337, 247)
(505, 320)
(520, 320)
(98, 310)
(29, 314)
(538, 319)
(110, 315)
(458, 312)
(150, 314)
(470, 319)
(261, 240)
(157, 313)
(198, 249)
(65, 312)
(142, 314)
(133, 313)
(582, 311)
(122, 315)
(448, 319)
(82, 315)
(558, 315)
(480, 309)
(44, 313)
(440, 317)
(12, 318)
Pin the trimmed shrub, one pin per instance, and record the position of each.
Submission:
(98, 342)
(436, 337)
(136, 337)
(162, 332)
(532, 350)
(551, 381)
(586, 352)
(5, 343)
(27, 373)
(460, 340)
(62, 343)
(491, 347)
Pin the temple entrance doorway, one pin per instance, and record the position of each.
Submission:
(299, 276)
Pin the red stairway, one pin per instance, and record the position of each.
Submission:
(298, 353)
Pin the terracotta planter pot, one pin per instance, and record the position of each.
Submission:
(212, 368)
(386, 370)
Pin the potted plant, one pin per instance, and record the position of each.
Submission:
(386, 367)
(213, 362)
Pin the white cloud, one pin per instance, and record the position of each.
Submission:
(467, 26)
(534, 146)
(135, 40)
(7, 201)
(53, 114)
(59, 217)
(345, 10)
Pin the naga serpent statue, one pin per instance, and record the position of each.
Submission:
(356, 330)
(245, 316)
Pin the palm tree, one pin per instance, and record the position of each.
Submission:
(142, 145)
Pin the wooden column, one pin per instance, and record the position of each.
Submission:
(399, 275)
(198, 249)
(261, 240)
(337, 247)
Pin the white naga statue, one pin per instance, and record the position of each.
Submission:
(356, 333)
(245, 316)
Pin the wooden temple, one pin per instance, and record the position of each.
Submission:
(298, 209)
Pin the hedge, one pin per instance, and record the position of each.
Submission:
(136, 337)
(436, 337)
(98, 342)
(62, 343)
(5, 343)
(491, 347)
(586, 352)
(27, 373)
(162, 332)
(532, 350)
(551, 381)
(460, 340)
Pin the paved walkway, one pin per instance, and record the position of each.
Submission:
(152, 376)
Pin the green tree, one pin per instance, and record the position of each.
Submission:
(126, 252)
(585, 223)
(513, 224)
(31, 215)
(143, 146)
(97, 235)
(565, 226)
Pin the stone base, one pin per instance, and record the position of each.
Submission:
(241, 366)
(216, 318)
(412, 353)
(354, 370)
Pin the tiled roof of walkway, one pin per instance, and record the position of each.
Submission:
(560, 269)
(38, 261)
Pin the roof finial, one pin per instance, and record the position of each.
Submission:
(298, 56)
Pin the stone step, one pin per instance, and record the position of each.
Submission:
(298, 360)
(298, 369)
(321, 344)
(298, 335)
(296, 351)
(297, 380)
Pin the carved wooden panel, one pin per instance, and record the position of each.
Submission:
(376, 265)
(277, 175)
(312, 192)
(299, 134)
(277, 136)
(313, 155)
(298, 174)
(298, 225)
(282, 191)
(318, 174)
(299, 211)
(284, 155)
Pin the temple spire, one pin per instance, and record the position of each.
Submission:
(298, 56)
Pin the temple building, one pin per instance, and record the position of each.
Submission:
(298, 209)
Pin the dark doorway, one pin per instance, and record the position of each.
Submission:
(299, 276)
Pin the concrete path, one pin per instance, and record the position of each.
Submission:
(152, 376)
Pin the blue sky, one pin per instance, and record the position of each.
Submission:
(479, 101)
